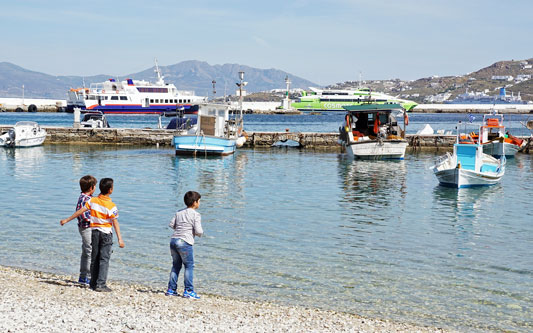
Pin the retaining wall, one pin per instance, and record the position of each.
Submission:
(140, 136)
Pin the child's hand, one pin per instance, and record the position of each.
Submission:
(121, 243)
(63, 222)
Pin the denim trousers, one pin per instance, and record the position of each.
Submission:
(85, 261)
(182, 254)
(101, 253)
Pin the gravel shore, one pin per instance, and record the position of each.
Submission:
(43, 302)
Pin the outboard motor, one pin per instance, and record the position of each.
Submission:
(10, 141)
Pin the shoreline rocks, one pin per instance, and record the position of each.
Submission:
(45, 302)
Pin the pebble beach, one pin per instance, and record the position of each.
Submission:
(44, 302)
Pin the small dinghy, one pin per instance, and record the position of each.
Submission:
(468, 166)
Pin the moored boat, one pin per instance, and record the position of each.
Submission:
(213, 132)
(317, 100)
(23, 134)
(468, 166)
(495, 140)
(374, 131)
(133, 97)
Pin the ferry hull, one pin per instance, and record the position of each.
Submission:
(387, 149)
(138, 109)
(203, 145)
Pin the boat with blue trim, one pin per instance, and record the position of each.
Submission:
(213, 132)
(133, 97)
(468, 166)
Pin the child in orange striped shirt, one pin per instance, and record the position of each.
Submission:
(104, 215)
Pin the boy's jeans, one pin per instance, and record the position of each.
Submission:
(182, 254)
(85, 262)
(101, 253)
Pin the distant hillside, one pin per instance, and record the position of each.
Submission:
(423, 89)
(186, 75)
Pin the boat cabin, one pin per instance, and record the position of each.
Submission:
(376, 120)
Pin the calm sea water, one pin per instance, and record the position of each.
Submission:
(375, 238)
(379, 239)
(326, 122)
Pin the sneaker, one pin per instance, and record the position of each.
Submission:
(84, 280)
(171, 293)
(190, 294)
(105, 289)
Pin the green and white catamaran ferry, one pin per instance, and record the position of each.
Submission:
(334, 99)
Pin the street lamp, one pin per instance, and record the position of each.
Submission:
(288, 82)
(241, 84)
(214, 90)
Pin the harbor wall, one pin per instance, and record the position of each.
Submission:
(40, 104)
(163, 137)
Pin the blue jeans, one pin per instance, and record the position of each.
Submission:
(182, 254)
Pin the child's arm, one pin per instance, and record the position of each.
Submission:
(197, 228)
(117, 231)
(76, 214)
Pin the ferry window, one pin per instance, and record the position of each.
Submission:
(157, 101)
(166, 100)
(151, 100)
(179, 101)
(123, 98)
(114, 98)
(188, 100)
(105, 98)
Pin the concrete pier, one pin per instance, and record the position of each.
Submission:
(163, 137)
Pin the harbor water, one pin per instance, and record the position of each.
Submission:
(379, 239)
(321, 123)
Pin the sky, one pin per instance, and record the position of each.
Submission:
(325, 41)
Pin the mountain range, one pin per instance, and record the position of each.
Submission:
(186, 75)
(198, 75)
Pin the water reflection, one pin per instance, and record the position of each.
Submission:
(26, 160)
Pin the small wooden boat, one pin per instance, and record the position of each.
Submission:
(213, 134)
(495, 140)
(468, 166)
(23, 134)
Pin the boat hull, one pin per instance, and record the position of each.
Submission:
(461, 178)
(497, 148)
(373, 149)
(203, 145)
(138, 109)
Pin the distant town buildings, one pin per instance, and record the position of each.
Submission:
(502, 77)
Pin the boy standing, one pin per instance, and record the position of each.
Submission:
(104, 215)
(87, 186)
(186, 223)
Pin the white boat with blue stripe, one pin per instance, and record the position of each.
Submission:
(468, 166)
(213, 133)
(133, 97)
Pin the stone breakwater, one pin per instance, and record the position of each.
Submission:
(42, 302)
(163, 137)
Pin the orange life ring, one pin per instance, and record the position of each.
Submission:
(103, 91)
(405, 118)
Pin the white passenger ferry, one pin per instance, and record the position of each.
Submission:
(133, 96)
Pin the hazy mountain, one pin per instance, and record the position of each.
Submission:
(186, 75)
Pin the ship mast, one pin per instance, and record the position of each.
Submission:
(160, 77)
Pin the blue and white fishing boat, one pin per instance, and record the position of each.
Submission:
(214, 133)
(468, 166)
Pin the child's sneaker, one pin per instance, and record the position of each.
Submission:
(84, 281)
(190, 294)
(171, 293)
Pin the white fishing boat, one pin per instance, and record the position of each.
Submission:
(374, 131)
(23, 134)
(468, 166)
(495, 140)
(213, 133)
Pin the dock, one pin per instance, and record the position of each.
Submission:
(302, 140)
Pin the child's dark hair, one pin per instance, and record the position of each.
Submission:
(87, 182)
(191, 197)
(106, 184)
